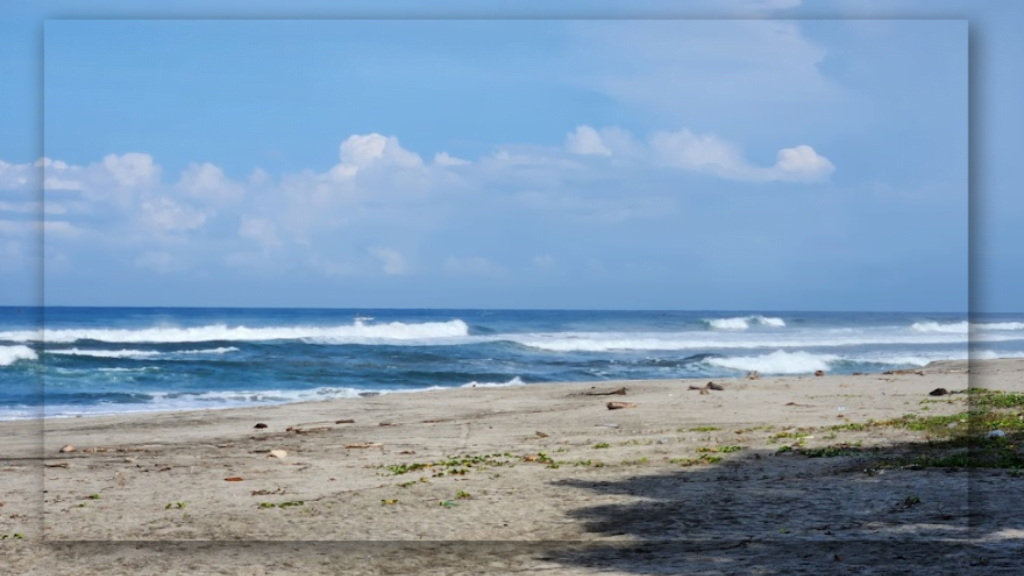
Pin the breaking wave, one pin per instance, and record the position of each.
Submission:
(137, 354)
(778, 362)
(964, 327)
(744, 322)
(11, 354)
(354, 333)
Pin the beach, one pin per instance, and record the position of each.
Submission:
(795, 474)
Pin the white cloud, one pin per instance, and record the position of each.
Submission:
(394, 263)
(132, 169)
(709, 153)
(361, 151)
(259, 177)
(802, 163)
(15, 176)
(208, 181)
(49, 227)
(169, 216)
(444, 159)
(586, 140)
(261, 230)
(690, 151)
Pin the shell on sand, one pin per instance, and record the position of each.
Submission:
(278, 453)
(67, 448)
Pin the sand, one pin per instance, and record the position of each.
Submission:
(517, 479)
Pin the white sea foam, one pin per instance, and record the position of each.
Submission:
(778, 362)
(106, 353)
(743, 323)
(999, 326)
(964, 327)
(711, 340)
(950, 328)
(11, 354)
(138, 354)
(356, 332)
(513, 382)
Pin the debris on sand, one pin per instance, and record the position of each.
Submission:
(938, 392)
(617, 391)
(260, 426)
(278, 454)
(620, 405)
(67, 448)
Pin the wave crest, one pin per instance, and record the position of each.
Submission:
(137, 354)
(352, 333)
(778, 362)
(744, 322)
(11, 354)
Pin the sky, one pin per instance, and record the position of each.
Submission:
(784, 162)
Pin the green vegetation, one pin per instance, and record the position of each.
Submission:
(702, 459)
(282, 504)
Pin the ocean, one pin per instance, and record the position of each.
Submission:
(118, 360)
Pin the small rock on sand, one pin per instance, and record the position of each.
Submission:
(260, 426)
(278, 453)
(67, 448)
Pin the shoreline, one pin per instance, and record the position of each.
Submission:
(933, 365)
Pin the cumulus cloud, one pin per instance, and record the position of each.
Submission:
(444, 159)
(15, 176)
(709, 153)
(585, 140)
(208, 181)
(392, 260)
(802, 163)
(132, 169)
(261, 230)
(362, 151)
(689, 151)
(600, 175)
(169, 216)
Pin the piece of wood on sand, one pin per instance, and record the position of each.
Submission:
(620, 405)
(616, 392)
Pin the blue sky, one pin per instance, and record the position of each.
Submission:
(674, 164)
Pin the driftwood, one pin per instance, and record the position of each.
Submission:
(620, 405)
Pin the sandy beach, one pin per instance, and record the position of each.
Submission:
(787, 475)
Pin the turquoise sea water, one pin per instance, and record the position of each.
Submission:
(112, 360)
